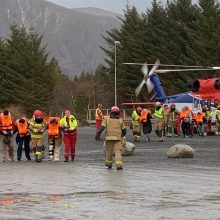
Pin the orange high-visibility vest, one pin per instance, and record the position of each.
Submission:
(98, 114)
(6, 122)
(183, 114)
(53, 129)
(200, 116)
(22, 128)
(144, 113)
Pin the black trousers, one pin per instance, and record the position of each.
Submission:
(26, 141)
(186, 128)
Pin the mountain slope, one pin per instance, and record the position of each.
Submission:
(73, 36)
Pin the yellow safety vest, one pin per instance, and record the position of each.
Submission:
(72, 122)
(159, 113)
(135, 118)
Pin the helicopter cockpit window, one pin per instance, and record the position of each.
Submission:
(209, 103)
(216, 102)
(217, 84)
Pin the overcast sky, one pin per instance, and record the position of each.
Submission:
(110, 5)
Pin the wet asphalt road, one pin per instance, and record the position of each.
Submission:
(149, 187)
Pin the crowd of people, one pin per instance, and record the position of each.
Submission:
(30, 133)
(168, 122)
(171, 122)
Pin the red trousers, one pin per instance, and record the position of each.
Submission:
(70, 143)
(98, 124)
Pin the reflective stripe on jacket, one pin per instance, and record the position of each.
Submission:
(114, 128)
(37, 129)
(72, 124)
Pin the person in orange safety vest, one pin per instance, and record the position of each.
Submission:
(186, 119)
(145, 119)
(54, 138)
(23, 137)
(201, 122)
(7, 128)
(98, 118)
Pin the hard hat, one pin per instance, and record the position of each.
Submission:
(115, 109)
(158, 104)
(139, 109)
(173, 105)
(38, 114)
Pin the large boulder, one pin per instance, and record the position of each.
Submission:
(181, 151)
(127, 148)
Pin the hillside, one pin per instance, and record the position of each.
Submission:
(73, 36)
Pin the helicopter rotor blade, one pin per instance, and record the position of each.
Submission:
(154, 68)
(184, 70)
(144, 69)
(146, 76)
(168, 65)
(138, 89)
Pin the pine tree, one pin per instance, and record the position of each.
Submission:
(32, 78)
(131, 50)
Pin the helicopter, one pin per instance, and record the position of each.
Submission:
(204, 91)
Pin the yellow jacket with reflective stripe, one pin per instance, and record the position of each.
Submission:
(114, 128)
(72, 122)
(135, 118)
(159, 113)
(37, 129)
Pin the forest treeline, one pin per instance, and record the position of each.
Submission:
(178, 32)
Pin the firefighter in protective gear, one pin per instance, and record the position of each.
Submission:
(159, 117)
(145, 119)
(172, 120)
(98, 116)
(136, 125)
(54, 138)
(217, 120)
(23, 137)
(69, 124)
(7, 127)
(115, 130)
(37, 127)
(186, 119)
